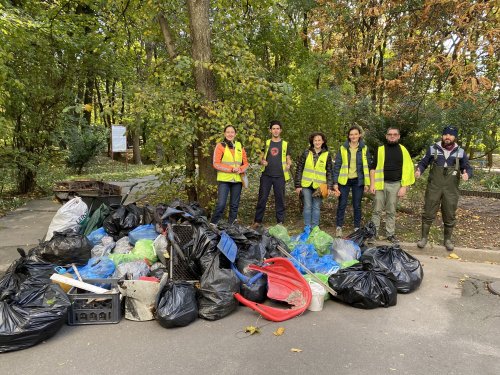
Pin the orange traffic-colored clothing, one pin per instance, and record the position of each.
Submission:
(220, 166)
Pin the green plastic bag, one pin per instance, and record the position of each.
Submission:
(143, 249)
(95, 221)
(348, 263)
(322, 277)
(280, 232)
(321, 240)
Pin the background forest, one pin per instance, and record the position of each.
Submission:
(176, 72)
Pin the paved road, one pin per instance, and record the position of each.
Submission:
(451, 325)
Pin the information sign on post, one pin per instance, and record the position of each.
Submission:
(118, 138)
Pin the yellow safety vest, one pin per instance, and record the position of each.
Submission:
(233, 162)
(283, 157)
(314, 174)
(407, 178)
(344, 168)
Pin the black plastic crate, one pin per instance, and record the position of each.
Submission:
(93, 308)
(180, 270)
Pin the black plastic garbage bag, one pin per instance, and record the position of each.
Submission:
(362, 234)
(64, 248)
(218, 285)
(22, 269)
(271, 245)
(403, 268)
(204, 249)
(363, 287)
(35, 313)
(122, 220)
(176, 304)
(253, 283)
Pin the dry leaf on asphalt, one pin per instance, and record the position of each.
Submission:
(279, 331)
(453, 256)
(295, 350)
(252, 330)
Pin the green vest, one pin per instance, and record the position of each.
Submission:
(314, 175)
(344, 168)
(233, 162)
(284, 146)
(407, 177)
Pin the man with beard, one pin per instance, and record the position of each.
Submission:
(276, 162)
(448, 163)
(391, 172)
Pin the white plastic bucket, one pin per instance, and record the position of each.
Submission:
(318, 296)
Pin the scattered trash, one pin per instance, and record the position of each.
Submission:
(280, 331)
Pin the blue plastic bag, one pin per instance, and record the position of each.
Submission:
(303, 236)
(142, 232)
(96, 268)
(96, 236)
(326, 265)
(306, 255)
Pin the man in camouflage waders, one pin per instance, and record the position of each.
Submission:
(448, 163)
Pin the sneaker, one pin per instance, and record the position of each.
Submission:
(356, 229)
(392, 238)
(338, 232)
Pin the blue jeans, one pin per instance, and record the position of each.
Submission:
(225, 189)
(357, 195)
(312, 207)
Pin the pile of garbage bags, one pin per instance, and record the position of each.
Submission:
(142, 249)
(360, 276)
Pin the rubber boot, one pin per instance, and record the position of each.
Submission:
(448, 231)
(425, 234)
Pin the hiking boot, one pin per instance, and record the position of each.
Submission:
(448, 231)
(392, 238)
(425, 234)
(338, 232)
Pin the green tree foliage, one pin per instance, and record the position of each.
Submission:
(313, 64)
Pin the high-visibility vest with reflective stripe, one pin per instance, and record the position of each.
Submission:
(231, 161)
(344, 168)
(283, 157)
(407, 177)
(314, 174)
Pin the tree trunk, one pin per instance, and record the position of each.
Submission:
(167, 36)
(205, 85)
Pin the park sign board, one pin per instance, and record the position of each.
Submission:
(118, 138)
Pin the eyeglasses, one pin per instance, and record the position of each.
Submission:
(392, 134)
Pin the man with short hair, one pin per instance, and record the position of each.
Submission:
(448, 163)
(276, 162)
(391, 172)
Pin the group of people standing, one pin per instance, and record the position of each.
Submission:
(387, 174)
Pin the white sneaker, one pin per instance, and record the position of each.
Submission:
(338, 232)
(356, 229)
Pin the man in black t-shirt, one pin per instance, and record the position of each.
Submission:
(276, 162)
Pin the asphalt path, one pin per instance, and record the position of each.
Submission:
(450, 325)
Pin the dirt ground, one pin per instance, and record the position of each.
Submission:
(477, 219)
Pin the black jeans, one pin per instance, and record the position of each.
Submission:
(226, 188)
(278, 185)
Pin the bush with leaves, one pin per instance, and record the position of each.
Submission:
(84, 143)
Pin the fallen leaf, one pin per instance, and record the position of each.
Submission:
(279, 331)
(446, 286)
(252, 330)
(295, 350)
(453, 256)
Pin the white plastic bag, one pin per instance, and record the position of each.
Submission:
(69, 216)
